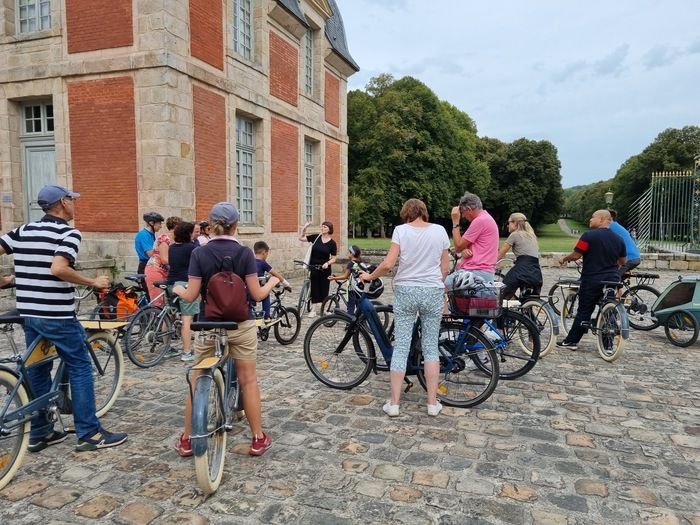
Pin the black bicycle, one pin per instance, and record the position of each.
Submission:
(284, 320)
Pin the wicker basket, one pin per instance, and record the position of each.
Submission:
(483, 301)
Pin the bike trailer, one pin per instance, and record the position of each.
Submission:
(682, 294)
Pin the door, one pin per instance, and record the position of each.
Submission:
(39, 170)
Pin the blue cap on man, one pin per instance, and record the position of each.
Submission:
(51, 194)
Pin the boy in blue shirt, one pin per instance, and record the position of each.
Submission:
(262, 251)
(144, 240)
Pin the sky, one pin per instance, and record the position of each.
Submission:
(598, 79)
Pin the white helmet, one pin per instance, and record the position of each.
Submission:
(460, 280)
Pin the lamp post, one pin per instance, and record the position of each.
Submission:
(609, 197)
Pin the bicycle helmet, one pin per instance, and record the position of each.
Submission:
(460, 280)
(371, 290)
(153, 216)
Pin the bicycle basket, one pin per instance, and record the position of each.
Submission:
(480, 301)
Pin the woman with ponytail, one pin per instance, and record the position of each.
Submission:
(526, 270)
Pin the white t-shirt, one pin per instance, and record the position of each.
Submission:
(420, 254)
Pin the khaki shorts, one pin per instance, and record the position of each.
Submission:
(242, 343)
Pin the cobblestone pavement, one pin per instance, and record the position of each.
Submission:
(575, 441)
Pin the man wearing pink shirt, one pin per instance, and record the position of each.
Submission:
(479, 244)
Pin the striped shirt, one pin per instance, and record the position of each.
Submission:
(34, 245)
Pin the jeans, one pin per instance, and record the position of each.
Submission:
(352, 303)
(69, 337)
(588, 294)
(266, 307)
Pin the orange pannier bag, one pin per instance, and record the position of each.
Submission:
(117, 303)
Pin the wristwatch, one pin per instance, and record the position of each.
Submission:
(455, 226)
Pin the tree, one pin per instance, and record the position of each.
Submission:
(405, 142)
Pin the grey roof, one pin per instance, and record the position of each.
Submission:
(335, 32)
(295, 9)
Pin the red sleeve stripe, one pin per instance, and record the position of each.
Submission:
(581, 246)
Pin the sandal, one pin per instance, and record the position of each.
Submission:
(183, 446)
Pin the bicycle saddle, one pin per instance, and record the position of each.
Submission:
(135, 277)
(214, 325)
(11, 317)
(160, 284)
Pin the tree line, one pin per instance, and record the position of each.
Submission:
(405, 142)
(672, 150)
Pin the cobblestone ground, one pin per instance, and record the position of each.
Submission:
(577, 440)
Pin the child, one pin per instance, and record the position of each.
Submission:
(353, 264)
(262, 250)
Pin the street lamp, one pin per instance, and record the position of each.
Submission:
(609, 197)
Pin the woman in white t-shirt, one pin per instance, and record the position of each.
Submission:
(421, 249)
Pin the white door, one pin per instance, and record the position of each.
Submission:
(39, 170)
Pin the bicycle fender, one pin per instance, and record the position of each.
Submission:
(206, 363)
(199, 415)
(624, 321)
(554, 317)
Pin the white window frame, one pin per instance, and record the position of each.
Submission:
(38, 21)
(309, 180)
(309, 62)
(245, 169)
(45, 117)
(243, 28)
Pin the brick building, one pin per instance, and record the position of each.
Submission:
(172, 106)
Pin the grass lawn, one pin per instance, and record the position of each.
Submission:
(575, 225)
(550, 237)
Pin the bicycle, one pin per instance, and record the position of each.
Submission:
(610, 325)
(18, 402)
(515, 337)
(304, 302)
(216, 402)
(539, 311)
(152, 329)
(341, 355)
(284, 320)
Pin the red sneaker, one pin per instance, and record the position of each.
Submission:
(260, 445)
(183, 446)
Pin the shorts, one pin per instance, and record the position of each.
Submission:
(242, 343)
(186, 308)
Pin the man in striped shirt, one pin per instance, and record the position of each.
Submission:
(44, 257)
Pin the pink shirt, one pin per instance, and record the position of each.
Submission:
(483, 234)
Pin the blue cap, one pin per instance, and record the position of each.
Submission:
(224, 212)
(51, 194)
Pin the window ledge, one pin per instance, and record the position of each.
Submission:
(36, 35)
(249, 229)
(230, 53)
(312, 98)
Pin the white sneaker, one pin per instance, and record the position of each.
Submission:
(434, 410)
(312, 313)
(391, 410)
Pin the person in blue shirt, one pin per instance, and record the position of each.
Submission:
(262, 251)
(144, 240)
(633, 255)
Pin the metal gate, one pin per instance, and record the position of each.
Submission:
(666, 217)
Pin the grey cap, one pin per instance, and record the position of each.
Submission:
(224, 212)
(51, 194)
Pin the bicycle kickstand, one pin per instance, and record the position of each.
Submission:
(409, 385)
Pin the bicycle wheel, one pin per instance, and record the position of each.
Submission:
(13, 445)
(108, 354)
(553, 298)
(568, 312)
(540, 313)
(208, 432)
(681, 328)
(519, 346)
(329, 305)
(303, 305)
(609, 338)
(638, 301)
(462, 383)
(287, 325)
(340, 355)
(148, 337)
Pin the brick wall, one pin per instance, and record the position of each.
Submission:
(285, 176)
(284, 69)
(332, 99)
(332, 165)
(206, 31)
(103, 154)
(209, 150)
(98, 24)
